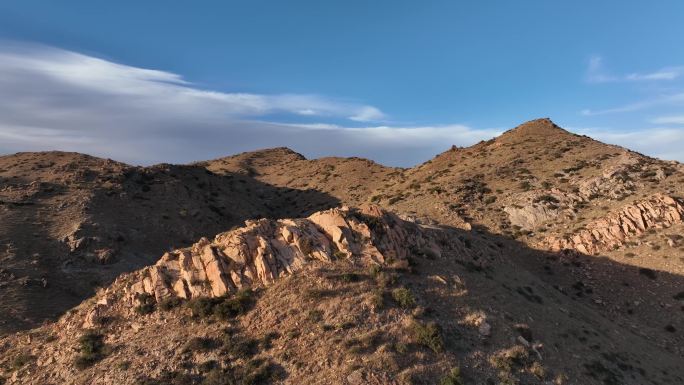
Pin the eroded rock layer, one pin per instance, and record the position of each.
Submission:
(656, 211)
(266, 249)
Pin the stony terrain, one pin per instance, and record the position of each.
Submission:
(371, 299)
(70, 223)
(539, 256)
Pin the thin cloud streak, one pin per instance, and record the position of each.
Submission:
(676, 99)
(596, 73)
(660, 142)
(57, 99)
(676, 120)
(53, 99)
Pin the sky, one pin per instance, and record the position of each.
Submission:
(395, 81)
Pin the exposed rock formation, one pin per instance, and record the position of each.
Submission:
(657, 211)
(616, 180)
(266, 249)
(533, 209)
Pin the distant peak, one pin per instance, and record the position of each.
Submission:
(543, 126)
(278, 151)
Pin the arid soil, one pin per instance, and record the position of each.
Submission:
(539, 256)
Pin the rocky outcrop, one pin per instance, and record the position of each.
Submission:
(533, 209)
(657, 211)
(615, 181)
(264, 250)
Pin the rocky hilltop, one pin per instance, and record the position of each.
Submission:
(264, 250)
(539, 256)
(70, 223)
(344, 296)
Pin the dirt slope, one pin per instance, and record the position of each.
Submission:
(579, 240)
(543, 186)
(70, 223)
(454, 310)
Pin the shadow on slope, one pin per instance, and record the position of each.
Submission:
(60, 246)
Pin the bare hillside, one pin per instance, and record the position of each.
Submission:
(341, 297)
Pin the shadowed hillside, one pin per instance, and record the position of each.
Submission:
(70, 223)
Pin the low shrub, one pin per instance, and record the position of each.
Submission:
(404, 297)
(428, 335)
(224, 307)
(200, 344)
(91, 348)
(20, 360)
(170, 303)
(452, 378)
(146, 303)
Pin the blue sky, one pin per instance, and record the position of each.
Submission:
(395, 81)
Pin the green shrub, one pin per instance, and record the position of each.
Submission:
(428, 335)
(314, 315)
(508, 360)
(453, 378)
(202, 307)
(218, 376)
(91, 348)
(146, 303)
(170, 303)
(404, 297)
(207, 366)
(224, 307)
(350, 277)
(234, 306)
(200, 344)
(20, 360)
(374, 271)
(378, 298)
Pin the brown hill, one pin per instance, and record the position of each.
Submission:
(543, 186)
(342, 297)
(578, 239)
(70, 223)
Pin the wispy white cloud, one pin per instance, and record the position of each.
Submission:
(596, 73)
(57, 99)
(78, 74)
(660, 142)
(368, 114)
(676, 120)
(676, 99)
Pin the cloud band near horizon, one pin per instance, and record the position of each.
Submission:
(54, 99)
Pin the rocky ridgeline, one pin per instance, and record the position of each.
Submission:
(265, 249)
(657, 211)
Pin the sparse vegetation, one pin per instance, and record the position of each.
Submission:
(428, 335)
(20, 360)
(200, 344)
(91, 348)
(404, 297)
(452, 378)
(146, 303)
(170, 303)
(225, 307)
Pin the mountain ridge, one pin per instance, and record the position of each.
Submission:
(538, 200)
